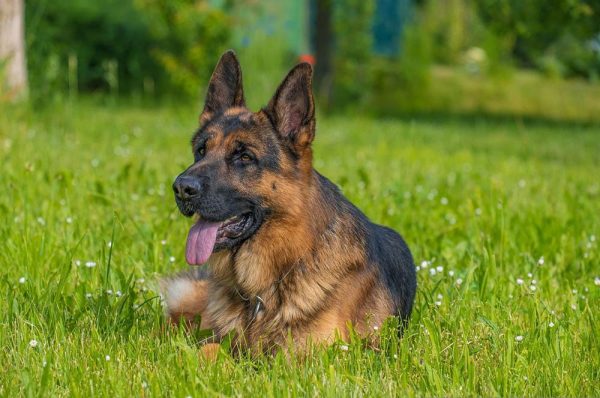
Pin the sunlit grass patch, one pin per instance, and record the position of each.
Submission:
(502, 219)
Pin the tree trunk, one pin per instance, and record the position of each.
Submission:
(323, 43)
(12, 47)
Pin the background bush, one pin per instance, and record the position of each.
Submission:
(122, 46)
(158, 48)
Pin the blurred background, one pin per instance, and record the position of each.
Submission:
(531, 59)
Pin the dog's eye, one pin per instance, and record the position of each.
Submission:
(245, 157)
(201, 151)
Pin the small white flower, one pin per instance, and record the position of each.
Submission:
(88, 295)
(451, 273)
(459, 281)
(417, 268)
(533, 282)
(41, 221)
(573, 307)
(69, 220)
(172, 259)
(109, 244)
(424, 264)
(141, 280)
(22, 280)
(529, 275)
(439, 296)
(519, 281)
(109, 292)
(118, 293)
(574, 291)
(44, 363)
(597, 281)
(532, 288)
(519, 338)
(144, 384)
(592, 238)
(344, 347)
(90, 264)
(33, 343)
(541, 261)
(439, 268)
(77, 263)
(525, 378)
(107, 358)
(478, 211)
(375, 327)
(163, 242)
(432, 271)
(395, 356)
(551, 324)
(438, 303)
(444, 201)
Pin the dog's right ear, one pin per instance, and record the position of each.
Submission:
(225, 89)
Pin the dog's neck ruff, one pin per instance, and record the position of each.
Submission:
(256, 302)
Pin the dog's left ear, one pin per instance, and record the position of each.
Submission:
(225, 88)
(292, 108)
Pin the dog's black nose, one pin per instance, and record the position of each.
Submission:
(186, 187)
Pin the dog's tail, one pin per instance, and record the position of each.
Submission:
(185, 295)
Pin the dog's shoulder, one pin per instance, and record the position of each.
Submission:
(385, 249)
(388, 251)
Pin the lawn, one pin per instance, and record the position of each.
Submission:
(503, 218)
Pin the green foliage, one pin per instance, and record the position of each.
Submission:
(353, 53)
(122, 46)
(402, 85)
(188, 37)
(100, 38)
(547, 32)
(482, 200)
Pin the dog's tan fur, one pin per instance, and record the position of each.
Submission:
(308, 262)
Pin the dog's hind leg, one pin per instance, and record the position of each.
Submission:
(185, 296)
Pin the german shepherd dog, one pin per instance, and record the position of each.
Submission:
(284, 253)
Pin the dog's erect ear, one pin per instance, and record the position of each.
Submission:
(292, 108)
(225, 89)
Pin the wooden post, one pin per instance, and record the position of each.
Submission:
(12, 47)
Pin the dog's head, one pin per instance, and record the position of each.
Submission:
(249, 167)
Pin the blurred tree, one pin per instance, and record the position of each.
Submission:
(125, 46)
(188, 36)
(535, 26)
(12, 46)
(323, 47)
(353, 22)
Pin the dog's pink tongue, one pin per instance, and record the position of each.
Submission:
(200, 242)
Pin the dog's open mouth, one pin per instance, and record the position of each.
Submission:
(204, 236)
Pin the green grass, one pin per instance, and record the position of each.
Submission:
(483, 200)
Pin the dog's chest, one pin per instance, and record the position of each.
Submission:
(268, 321)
